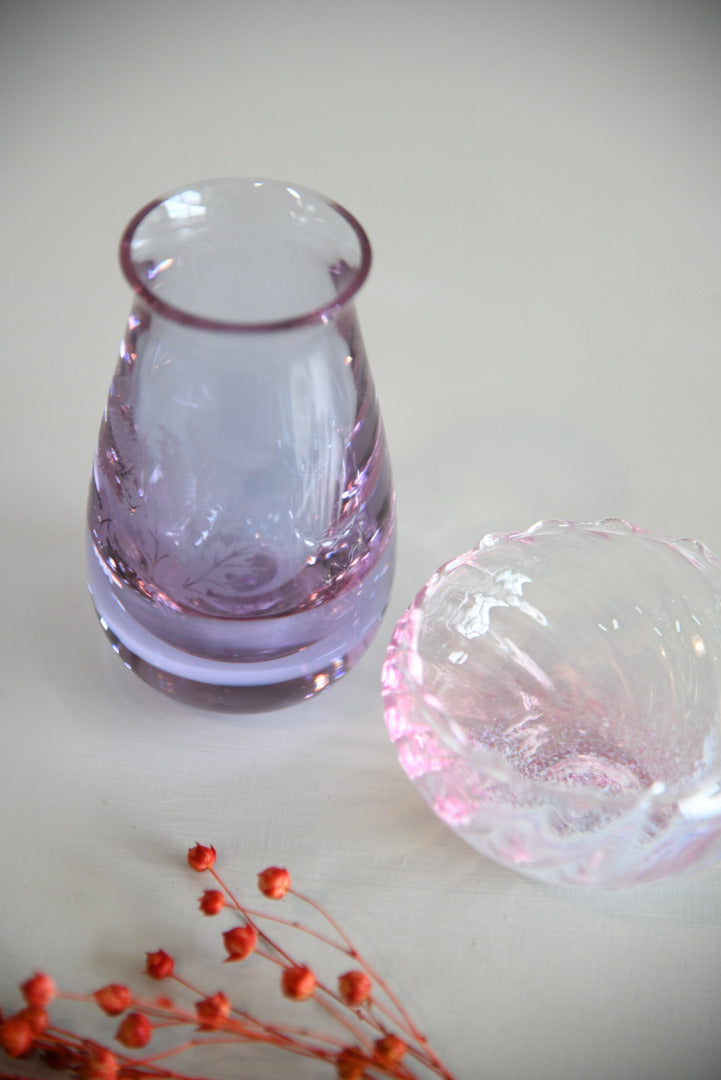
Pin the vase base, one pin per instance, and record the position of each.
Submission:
(300, 665)
(234, 699)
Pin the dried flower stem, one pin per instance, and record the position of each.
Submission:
(353, 952)
(385, 1040)
(402, 1019)
(252, 915)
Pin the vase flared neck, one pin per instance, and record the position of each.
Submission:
(245, 255)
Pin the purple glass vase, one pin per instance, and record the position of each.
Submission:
(241, 510)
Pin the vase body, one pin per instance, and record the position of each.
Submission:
(241, 510)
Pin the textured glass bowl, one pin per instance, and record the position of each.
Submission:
(554, 695)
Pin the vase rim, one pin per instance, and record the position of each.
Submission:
(323, 313)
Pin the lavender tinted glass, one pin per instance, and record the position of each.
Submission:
(241, 507)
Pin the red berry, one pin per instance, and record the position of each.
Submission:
(134, 1031)
(38, 990)
(100, 1064)
(113, 999)
(389, 1049)
(16, 1036)
(212, 901)
(36, 1017)
(350, 1064)
(240, 942)
(354, 988)
(274, 882)
(298, 983)
(212, 1011)
(201, 857)
(159, 965)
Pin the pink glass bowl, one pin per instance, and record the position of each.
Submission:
(555, 696)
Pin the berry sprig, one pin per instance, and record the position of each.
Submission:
(374, 1035)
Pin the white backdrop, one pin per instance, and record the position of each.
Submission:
(541, 184)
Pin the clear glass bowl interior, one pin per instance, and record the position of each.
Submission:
(557, 690)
